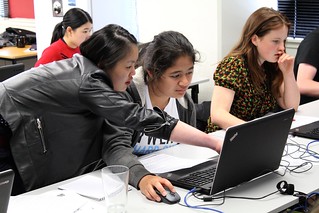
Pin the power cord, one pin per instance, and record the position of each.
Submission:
(211, 198)
(193, 192)
(190, 193)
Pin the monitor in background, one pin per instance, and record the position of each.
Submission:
(7, 71)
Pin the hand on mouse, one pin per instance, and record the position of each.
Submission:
(149, 182)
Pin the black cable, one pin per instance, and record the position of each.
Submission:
(241, 197)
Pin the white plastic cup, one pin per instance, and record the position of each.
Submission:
(115, 183)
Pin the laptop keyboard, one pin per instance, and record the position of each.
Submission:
(199, 178)
(315, 131)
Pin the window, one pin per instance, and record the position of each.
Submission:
(4, 8)
(303, 14)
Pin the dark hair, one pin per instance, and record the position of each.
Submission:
(73, 18)
(163, 51)
(107, 46)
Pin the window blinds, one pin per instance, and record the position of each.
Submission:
(4, 8)
(303, 15)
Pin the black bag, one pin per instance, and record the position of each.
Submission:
(9, 36)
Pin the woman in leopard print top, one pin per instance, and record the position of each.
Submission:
(257, 76)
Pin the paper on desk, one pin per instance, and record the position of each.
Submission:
(61, 201)
(160, 163)
(87, 185)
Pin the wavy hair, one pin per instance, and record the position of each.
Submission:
(261, 22)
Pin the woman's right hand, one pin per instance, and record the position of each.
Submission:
(217, 143)
(149, 182)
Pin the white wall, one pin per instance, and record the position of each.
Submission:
(233, 15)
(121, 12)
(197, 20)
(213, 26)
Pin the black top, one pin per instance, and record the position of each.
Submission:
(308, 52)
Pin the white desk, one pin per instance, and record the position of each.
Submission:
(309, 109)
(305, 182)
(194, 86)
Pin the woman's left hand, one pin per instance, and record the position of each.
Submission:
(286, 63)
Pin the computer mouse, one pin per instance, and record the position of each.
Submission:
(170, 198)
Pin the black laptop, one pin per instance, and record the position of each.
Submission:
(250, 150)
(6, 183)
(310, 130)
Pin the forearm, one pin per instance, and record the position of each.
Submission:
(309, 87)
(184, 133)
(224, 119)
(291, 94)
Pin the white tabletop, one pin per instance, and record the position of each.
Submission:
(198, 80)
(306, 182)
(309, 109)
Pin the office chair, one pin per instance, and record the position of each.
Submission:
(7, 71)
(202, 115)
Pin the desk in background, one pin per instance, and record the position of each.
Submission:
(13, 54)
(194, 87)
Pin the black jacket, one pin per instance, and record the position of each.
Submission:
(56, 113)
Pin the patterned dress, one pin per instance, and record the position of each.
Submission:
(248, 104)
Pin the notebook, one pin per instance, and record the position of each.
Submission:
(250, 150)
(6, 183)
(310, 130)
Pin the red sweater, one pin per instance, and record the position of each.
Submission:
(56, 51)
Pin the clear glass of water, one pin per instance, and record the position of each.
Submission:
(115, 183)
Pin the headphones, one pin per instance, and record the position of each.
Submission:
(285, 188)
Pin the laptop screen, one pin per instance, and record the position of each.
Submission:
(6, 183)
(250, 150)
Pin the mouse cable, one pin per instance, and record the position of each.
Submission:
(209, 198)
(312, 154)
(189, 193)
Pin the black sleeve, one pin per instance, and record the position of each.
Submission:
(119, 109)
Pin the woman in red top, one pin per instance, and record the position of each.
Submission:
(67, 36)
